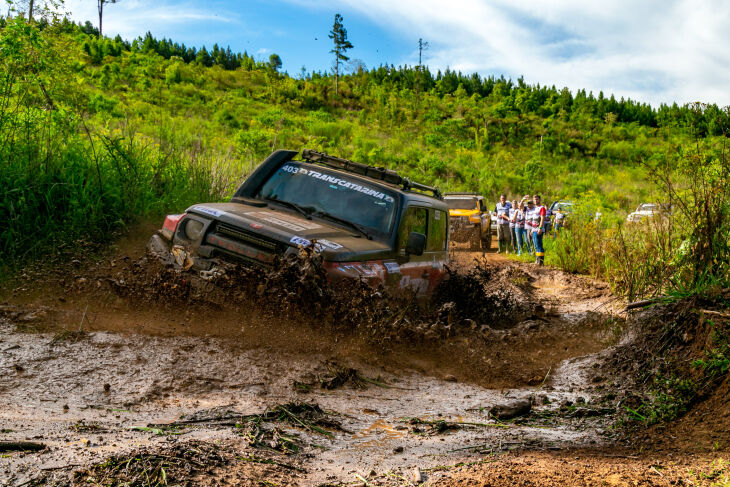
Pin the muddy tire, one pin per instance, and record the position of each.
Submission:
(160, 250)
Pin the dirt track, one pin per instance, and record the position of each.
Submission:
(111, 389)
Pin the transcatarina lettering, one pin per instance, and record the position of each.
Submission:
(340, 182)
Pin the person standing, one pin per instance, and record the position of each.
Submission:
(520, 231)
(502, 213)
(512, 226)
(559, 221)
(529, 210)
(539, 215)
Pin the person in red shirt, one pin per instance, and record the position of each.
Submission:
(539, 216)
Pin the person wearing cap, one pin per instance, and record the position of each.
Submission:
(539, 217)
(501, 210)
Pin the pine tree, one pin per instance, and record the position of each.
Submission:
(338, 34)
(275, 62)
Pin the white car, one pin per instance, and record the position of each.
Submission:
(646, 211)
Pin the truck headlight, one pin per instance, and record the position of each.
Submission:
(193, 229)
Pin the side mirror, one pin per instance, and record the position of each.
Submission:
(416, 244)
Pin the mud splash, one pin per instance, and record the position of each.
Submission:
(480, 297)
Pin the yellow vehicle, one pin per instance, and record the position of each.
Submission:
(470, 220)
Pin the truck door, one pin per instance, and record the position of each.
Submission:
(484, 217)
(423, 272)
(415, 268)
(437, 246)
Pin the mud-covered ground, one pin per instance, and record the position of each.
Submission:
(116, 387)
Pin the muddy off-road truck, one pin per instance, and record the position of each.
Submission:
(470, 220)
(367, 223)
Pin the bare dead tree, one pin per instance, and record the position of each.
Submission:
(100, 6)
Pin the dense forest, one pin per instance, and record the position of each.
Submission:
(98, 131)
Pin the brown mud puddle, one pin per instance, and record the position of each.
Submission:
(94, 396)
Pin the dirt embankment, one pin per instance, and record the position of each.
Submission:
(121, 373)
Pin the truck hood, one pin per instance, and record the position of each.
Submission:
(336, 243)
(643, 213)
(461, 212)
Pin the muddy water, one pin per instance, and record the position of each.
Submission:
(83, 398)
(84, 394)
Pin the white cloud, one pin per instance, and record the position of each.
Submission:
(132, 18)
(652, 50)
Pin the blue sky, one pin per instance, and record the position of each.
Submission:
(653, 51)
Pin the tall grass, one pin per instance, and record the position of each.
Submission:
(684, 252)
(59, 180)
(636, 259)
(66, 185)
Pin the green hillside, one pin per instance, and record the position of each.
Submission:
(457, 132)
(96, 132)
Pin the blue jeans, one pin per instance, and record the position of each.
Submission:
(521, 240)
(527, 241)
(537, 240)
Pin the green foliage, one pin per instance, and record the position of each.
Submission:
(717, 476)
(716, 362)
(668, 399)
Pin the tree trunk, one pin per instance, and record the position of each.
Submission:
(337, 73)
(100, 3)
(30, 10)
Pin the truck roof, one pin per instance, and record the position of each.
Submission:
(408, 189)
(376, 174)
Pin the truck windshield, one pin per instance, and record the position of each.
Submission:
(461, 203)
(316, 189)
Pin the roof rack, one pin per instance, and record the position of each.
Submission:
(381, 173)
(461, 193)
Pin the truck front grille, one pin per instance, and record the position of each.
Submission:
(246, 237)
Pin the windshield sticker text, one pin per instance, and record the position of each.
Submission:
(337, 181)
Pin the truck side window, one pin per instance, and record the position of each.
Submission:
(415, 220)
(482, 208)
(436, 240)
